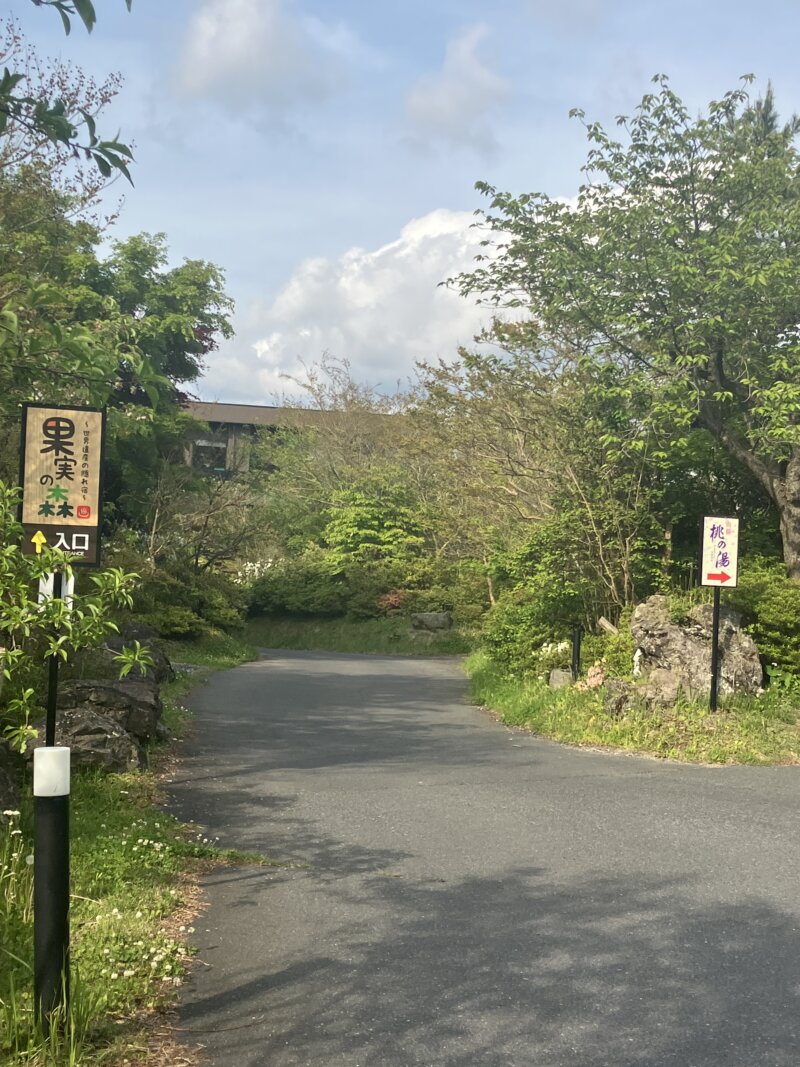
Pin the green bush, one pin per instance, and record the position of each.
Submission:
(301, 586)
(220, 602)
(176, 622)
(770, 605)
(159, 589)
(166, 598)
(518, 625)
(614, 651)
(319, 583)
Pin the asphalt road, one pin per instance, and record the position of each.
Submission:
(470, 896)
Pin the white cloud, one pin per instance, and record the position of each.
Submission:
(579, 17)
(456, 106)
(382, 310)
(262, 55)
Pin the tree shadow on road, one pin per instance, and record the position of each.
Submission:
(304, 720)
(515, 970)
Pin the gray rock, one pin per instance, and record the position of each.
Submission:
(559, 679)
(618, 697)
(9, 779)
(431, 620)
(95, 742)
(685, 649)
(133, 703)
(162, 669)
(662, 688)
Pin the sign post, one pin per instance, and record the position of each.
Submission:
(719, 565)
(60, 465)
(577, 633)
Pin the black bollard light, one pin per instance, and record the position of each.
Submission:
(577, 633)
(50, 883)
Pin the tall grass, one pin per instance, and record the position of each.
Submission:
(129, 867)
(380, 636)
(758, 730)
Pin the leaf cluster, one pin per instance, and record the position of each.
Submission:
(31, 630)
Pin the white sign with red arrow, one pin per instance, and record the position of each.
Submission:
(719, 557)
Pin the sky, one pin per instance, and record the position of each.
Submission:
(325, 155)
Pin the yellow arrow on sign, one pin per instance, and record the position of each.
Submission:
(40, 541)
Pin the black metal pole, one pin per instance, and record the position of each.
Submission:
(51, 883)
(52, 675)
(577, 631)
(714, 650)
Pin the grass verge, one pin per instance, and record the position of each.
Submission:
(216, 652)
(133, 871)
(381, 636)
(756, 730)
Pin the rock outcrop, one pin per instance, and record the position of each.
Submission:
(559, 679)
(677, 656)
(133, 704)
(162, 670)
(96, 742)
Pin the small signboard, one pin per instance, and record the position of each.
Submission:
(62, 450)
(719, 552)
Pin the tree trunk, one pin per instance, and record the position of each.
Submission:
(789, 509)
(666, 555)
(783, 487)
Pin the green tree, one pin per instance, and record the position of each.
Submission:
(376, 520)
(175, 316)
(680, 260)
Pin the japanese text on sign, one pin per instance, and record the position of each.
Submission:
(719, 563)
(62, 452)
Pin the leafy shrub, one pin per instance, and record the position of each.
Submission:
(301, 586)
(517, 627)
(220, 601)
(554, 655)
(176, 622)
(770, 605)
(615, 651)
(159, 589)
(321, 583)
(365, 583)
(393, 602)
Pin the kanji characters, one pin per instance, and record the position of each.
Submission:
(58, 433)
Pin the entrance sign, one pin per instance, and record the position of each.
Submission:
(719, 556)
(61, 457)
(62, 451)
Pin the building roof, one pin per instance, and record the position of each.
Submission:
(266, 415)
(244, 414)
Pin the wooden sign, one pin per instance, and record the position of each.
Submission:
(719, 555)
(62, 451)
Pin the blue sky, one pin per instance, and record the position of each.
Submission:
(325, 154)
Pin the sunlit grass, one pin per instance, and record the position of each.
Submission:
(757, 730)
(380, 636)
(130, 909)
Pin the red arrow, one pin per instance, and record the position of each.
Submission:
(722, 577)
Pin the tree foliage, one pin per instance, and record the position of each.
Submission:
(678, 261)
(30, 631)
(50, 118)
